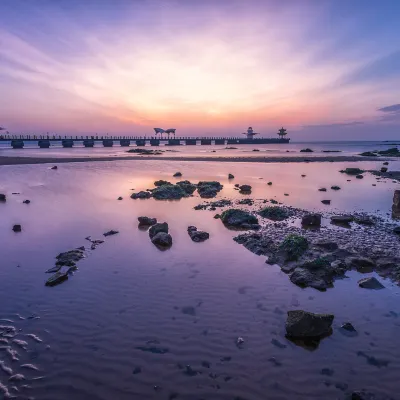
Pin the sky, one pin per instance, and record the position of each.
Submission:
(323, 69)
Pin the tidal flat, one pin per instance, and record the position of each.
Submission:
(199, 319)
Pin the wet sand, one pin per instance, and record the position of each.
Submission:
(57, 160)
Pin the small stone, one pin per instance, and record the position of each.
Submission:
(109, 233)
(361, 264)
(311, 220)
(341, 219)
(176, 174)
(322, 189)
(230, 176)
(57, 278)
(245, 189)
(347, 326)
(197, 236)
(141, 195)
(239, 341)
(397, 230)
(370, 283)
(17, 228)
(2, 197)
(326, 202)
(162, 239)
(54, 167)
(269, 183)
(384, 169)
(335, 187)
(147, 221)
(303, 324)
(158, 227)
(26, 201)
(119, 198)
(359, 177)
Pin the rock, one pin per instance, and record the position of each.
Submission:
(162, 239)
(307, 150)
(359, 177)
(169, 192)
(247, 202)
(69, 258)
(274, 213)
(239, 219)
(341, 219)
(176, 174)
(269, 183)
(370, 283)
(385, 163)
(208, 189)
(361, 264)
(187, 187)
(335, 187)
(364, 220)
(26, 201)
(326, 202)
(347, 326)
(119, 198)
(303, 324)
(147, 221)
(17, 228)
(141, 195)
(394, 151)
(397, 230)
(322, 189)
(245, 189)
(326, 245)
(197, 236)
(384, 169)
(255, 242)
(158, 227)
(109, 233)
(369, 154)
(352, 171)
(311, 220)
(293, 246)
(303, 176)
(305, 278)
(161, 182)
(3, 197)
(230, 176)
(54, 167)
(236, 185)
(57, 278)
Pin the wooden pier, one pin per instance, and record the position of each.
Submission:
(44, 142)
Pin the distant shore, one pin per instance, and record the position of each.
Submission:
(55, 160)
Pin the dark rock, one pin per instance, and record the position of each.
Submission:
(396, 204)
(161, 182)
(69, 258)
(326, 202)
(141, 195)
(169, 192)
(162, 239)
(352, 171)
(57, 278)
(394, 151)
(26, 201)
(397, 230)
(342, 219)
(236, 185)
(247, 202)
(361, 264)
(370, 283)
(311, 220)
(187, 187)
(239, 219)
(176, 174)
(359, 177)
(384, 169)
(3, 197)
(347, 326)
(208, 189)
(307, 150)
(147, 221)
(17, 228)
(230, 176)
(256, 242)
(305, 278)
(369, 154)
(158, 227)
(274, 213)
(197, 236)
(109, 233)
(326, 245)
(385, 163)
(335, 187)
(245, 189)
(322, 189)
(54, 167)
(303, 324)
(293, 246)
(145, 151)
(269, 183)
(367, 221)
(119, 198)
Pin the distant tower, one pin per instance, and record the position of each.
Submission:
(250, 133)
(282, 133)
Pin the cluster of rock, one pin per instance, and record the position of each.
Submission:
(165, 190)
(239, 219)
(145, 151)
(213, 205)
(392, 152)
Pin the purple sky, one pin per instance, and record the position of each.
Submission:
(324, 69)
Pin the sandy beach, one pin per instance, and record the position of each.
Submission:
(11, 160)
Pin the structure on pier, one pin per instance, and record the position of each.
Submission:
(282, 132)
(167, 131)
(250, 133)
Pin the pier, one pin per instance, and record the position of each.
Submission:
(45, 142)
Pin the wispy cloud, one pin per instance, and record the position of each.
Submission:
(395, 108)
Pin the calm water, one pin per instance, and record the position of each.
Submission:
(191, 301)
(265, 150)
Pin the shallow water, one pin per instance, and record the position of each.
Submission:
(132, 308)
(245, 150)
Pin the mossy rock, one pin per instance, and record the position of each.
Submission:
(238, 218)
(169, 192)
(294, 246)
(352, 171)
(274, 213)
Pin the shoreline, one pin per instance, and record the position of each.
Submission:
(4, 160)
